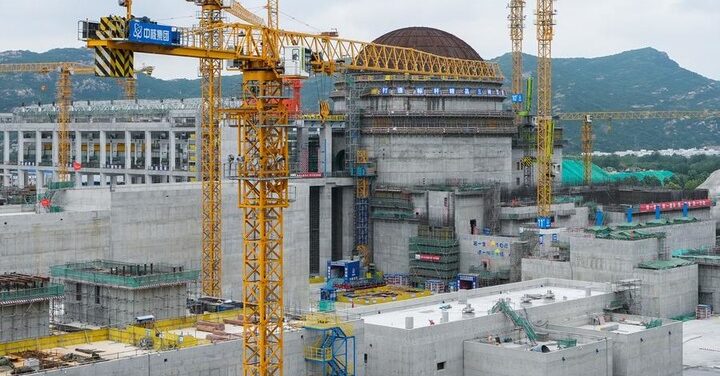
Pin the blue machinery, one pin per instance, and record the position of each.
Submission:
(334, 350)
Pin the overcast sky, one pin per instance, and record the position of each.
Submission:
(688, 30)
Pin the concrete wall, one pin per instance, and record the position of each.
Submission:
(669, 292)
(220, 359)
(31, 243)
(650, 352)
(393, 351)
(149, 223)
(496, 251)
(539, 268)
(391, 244)
(688, 235)
(709, 284)
(608, 260)
(591, 359)
(404, 160)
(120, 306)
(466, 208)
(28, 320)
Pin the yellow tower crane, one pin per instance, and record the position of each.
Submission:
(517, 20)
(63, 101)
(129, 84)
(266, 55)
(545, 25)
(208, 35)
(586, 134)
(211, 175)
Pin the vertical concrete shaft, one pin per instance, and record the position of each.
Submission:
(55, 153)
(38, 148)
(171, 154)
(103, 149)
(78, 157)
(128, 147)
(148, 150)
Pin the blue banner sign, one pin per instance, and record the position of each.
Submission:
(143, 32)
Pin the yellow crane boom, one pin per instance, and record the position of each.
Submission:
(63, 100)
(239, 11)
(587, 134)
(249, 44)
(262, 120)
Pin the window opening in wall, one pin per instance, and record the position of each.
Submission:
(97, 294)
(78, 292)
(365, 358)
(485, 265)
(441, 366)
(473, 226)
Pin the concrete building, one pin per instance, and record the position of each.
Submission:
(443, 149)
(427, 336)
(669, 287)
(111, 293)
(115, 142)
(708, 262)
(25, 305)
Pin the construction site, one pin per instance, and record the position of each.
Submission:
(424, 222)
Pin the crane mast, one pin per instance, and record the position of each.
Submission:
(545, 128)
(64, 99)
(517, 19)
(211, 89)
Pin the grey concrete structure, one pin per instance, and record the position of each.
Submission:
(667, 291)
(416, 338)
(111, 293)
(148, 224)
(393, 349)
(116, 142)
(635, 349)
(592, 356)
(25, 305)
(708, 278)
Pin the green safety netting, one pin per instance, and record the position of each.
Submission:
(572, 174)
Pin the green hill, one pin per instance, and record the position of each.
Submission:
(644, 79)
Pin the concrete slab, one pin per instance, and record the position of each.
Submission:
(482, 304)
(701, 344)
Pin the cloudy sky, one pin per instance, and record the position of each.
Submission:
(687, 30)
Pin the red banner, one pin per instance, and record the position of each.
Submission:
(424, 257)
(675, 205)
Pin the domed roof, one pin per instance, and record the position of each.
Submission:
(429, 40)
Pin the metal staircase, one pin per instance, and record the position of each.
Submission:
(333, 353)
(519, 321)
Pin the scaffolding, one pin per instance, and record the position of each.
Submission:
(360, 167)
(434, 255)
(24, 305)
(113, 294)
(392, 204)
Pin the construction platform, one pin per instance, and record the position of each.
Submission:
(379, 295)
(429, 314)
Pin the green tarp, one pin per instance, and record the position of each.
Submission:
(572, 174)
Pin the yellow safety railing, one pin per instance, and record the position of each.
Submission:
(322, 354)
